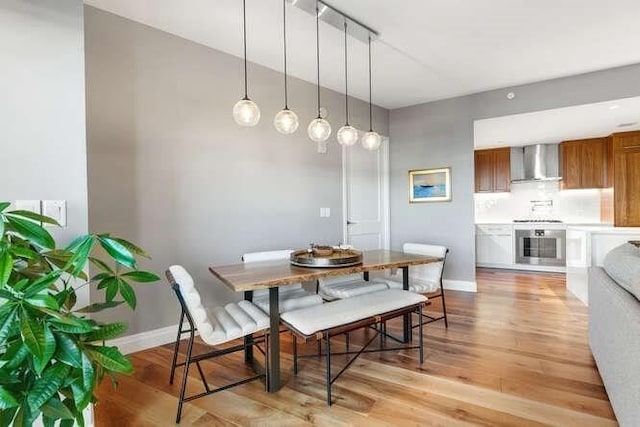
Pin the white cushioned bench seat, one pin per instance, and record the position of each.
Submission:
(341, 287)
(219, 324)
(424, 278)
(288, 300)
(290, 297)
(310, 320)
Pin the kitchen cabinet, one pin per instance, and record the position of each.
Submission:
(626, 178)
(584, 163)
(493, 170)
(494, 245)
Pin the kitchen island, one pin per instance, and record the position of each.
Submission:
(587, 245)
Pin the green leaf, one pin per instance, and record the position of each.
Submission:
(8, 322)
(47, 421)
(141, 276)
(6, 266)
(43, 283)
(4, 205)
(72, 325)
(101, 265)
(81, 254)
(39, 339)
(56, 410)
(127, 293)
(7, 400)
(99, 306)
(113, 285)
(67, 351)
(24, 252)
(111, 359)
(15, 355)
(32, 232)
(88, 374)
(6, 417)
(47, 385)
(43, 300)
(132, 248)
(33, 216)
(25, 416)
(106, 332)
(117, 251)
(2, 227)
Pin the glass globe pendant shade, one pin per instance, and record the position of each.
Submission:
(286, 121)
(319, 130)
(246, 113)
(371, 141)
(347, 135)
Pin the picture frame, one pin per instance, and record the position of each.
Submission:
(430, 185)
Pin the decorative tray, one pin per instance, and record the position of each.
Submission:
(635, 242)
(326, 257)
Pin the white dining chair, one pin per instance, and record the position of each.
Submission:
(216, 326)
(290, 297)
(424, 279)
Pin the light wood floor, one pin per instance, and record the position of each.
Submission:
(515, 353)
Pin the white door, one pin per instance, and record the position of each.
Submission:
(366, 196)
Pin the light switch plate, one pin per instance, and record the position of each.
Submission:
(27, 205)
(56, 209)
(322, 147)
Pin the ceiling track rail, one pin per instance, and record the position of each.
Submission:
(336, 18)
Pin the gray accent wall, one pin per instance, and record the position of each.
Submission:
(170, 169)
(440, 134)
(42, 117)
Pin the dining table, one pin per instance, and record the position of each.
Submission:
(249, 277)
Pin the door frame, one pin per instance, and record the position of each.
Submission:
(384, 197)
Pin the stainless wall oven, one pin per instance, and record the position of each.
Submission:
(540, 246)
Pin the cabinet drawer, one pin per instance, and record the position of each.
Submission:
(501, 229)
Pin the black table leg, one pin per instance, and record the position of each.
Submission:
(406, 319)
(248, 340)
(365, 276)
(273, 384)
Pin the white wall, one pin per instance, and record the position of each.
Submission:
(42, 120)
(570, 206)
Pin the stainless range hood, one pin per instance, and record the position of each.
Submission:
(537, 162)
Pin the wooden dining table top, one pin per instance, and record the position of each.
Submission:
(268, 274)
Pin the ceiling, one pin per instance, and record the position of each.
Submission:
(561, 124)
(427, 50)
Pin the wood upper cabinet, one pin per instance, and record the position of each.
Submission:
(584, 163)
(626, 178)
(493, 170)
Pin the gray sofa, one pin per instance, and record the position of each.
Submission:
(614, 337)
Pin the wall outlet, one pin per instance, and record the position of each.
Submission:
(27, 205)
(325, 212)
(56, 209)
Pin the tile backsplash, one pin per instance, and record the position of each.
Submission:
(539, 200)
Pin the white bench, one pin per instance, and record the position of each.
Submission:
(324, 321)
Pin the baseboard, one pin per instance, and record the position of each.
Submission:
(144, 340)
(460, 285)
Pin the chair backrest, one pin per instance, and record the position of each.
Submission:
(270, 256)
(429, 272)
(190, 299)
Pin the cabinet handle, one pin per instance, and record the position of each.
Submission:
(631, 146)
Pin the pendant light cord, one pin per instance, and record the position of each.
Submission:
(346, 76)
(318, 51)
(284, 25)
(370, 107)
(244, 40)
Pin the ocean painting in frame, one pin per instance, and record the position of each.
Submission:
(430, 185)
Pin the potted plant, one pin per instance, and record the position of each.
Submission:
(52, 353)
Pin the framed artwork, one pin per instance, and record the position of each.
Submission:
(430, 185)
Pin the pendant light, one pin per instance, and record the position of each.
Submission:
(286, 121)
(372, 139)
(245, 112)
(319, 129)
(347, 135)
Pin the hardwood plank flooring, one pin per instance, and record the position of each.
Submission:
(515, 354)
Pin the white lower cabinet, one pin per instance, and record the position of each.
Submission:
(494, 245)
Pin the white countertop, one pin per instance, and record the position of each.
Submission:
(604, 229)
